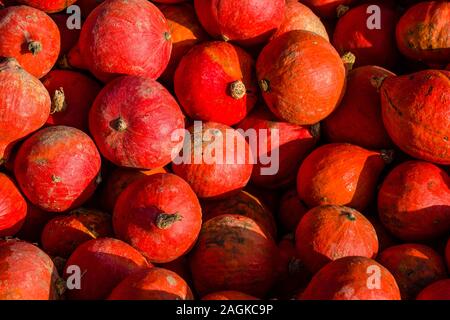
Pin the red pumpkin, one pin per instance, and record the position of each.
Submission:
(374, 45)
(292, 273)
(289, 142)
(246, 22)
(297, 16)
(72, 95)
(243, 204)
(301, 76)
(340, 174)
(186, 32)
(419, 122)
(13, 207)
(160, 215)
(69, 37)
(133, 121)
(63, 234)
(58, 168)
(414, 266)
(229, 295)
(34, 223)
(423, 32)
(349, 279)
(327, 233)
(327, 8)
(152, 284)
(385, 238)
(439, 290)
(74, 59)
(218, 162)
(24, 104)
(413, 202)
(48, 6)
(170, 1)
(233, 253)
(291, 210)
(110, 45)
(118, 180)
(31, 37)
(214, 82)
(358, 118)
(104, 263)
(27, 272)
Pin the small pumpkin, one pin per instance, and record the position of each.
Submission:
(13, 207)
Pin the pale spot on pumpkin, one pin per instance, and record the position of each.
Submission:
(171, 280)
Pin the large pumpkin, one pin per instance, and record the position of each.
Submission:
(58, 168)
(414, 201)
(246, 22)
(134, 121)
(160, 215)
(358, 118)
(24, 105)
(110, 45)
(13, 207)
(352, 278)
(327, 233)
(301, 76)
(340, 174)
(233, 253)
(48, 6)
(419, 122)
(31, 37)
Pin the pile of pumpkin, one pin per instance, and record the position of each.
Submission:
(357, 90)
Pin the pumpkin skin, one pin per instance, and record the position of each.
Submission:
(439, 290)
(347, 279)
(104, 263)
(152, 284)
(132, 121)
(170, 1)
(24, 105)
(111, 46)
(291, 210)
(297, 16)
(58, 168)
(414, 266)
(269, 198)
(412, 120)
(87, 6)
(180, 266)
(245, 22)
(327, 233)
(423, 32)
(370, 46)
(413, 201)
(233, 253)
(72, 95)
(357, 119)
(214, 176)
(292, 145)
(28, 273)
(13, 207)
(118, 180)
(340, 174)
(301, 57)
(186, 32)
(42, 42)
(229, 295)
(214, 81)
(243, 204)
(48, 6)
(63, 234)
(160, 215)
(327, 8)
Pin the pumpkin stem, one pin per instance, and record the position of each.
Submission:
(264, 85)
(349, 215)
(387, 155)
(59, 103)
(34, 47)
(118, 124)
(349, 60)
(225, 38)
(60, 286)
(164, 220)
(315, 130)
(377, 81)
(237, 89)
(167, 35)
(341, 10)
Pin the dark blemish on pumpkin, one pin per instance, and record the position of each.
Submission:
(40, 162)
(167, 35)
(430, 89)
(392, 103)
(445, 138)
(56, 179)
(348, 214)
